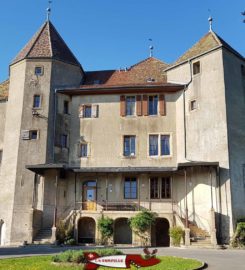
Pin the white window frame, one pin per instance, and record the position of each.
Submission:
(159, 145)
(130, 115)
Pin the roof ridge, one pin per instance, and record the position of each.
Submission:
(49, 37)
(144, 60)
(64, 43)
(216, 37)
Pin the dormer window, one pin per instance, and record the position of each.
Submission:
(196, 68)
(38, 71)
(150, 80)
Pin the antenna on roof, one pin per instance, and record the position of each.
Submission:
(49, 10)
(151, 48)
(210, 19)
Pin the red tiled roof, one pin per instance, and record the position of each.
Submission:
(47, 43)
(139, 74)
(4, 90)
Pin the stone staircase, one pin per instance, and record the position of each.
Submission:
(43, 236)
(199, 237)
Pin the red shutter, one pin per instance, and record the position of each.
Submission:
(162, 105)
(138, 106)
(122, 106)
(145, 105)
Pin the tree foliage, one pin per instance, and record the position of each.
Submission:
(105, 226)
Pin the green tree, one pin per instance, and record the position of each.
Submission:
(105, 226)
(141, 224)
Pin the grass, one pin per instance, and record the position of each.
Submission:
(45, 263)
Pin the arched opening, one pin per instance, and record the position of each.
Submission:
(86, 230)
(2, 232)
(159, 233)
(122, 231)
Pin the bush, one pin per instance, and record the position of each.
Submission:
(239, 236)
(105, 226)
(64, 233)
(77, 256)
(141, 223)
(176, 233)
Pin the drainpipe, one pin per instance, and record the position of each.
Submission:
(184, 108)
(54, 123)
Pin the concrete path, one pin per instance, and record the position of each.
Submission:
(216, 259)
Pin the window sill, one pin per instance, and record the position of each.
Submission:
(160, 157)
(129, 157)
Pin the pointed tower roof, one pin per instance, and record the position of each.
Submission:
(207, 43)
(47, 43)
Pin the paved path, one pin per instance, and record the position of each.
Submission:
(216, 259)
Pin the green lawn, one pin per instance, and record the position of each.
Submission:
(45, 263)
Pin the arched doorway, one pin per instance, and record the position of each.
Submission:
(122, 231)
(2, 232)
(86, 230)
(159, 233)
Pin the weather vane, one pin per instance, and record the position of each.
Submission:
(151, 47)
(210, 19)
(49, 10)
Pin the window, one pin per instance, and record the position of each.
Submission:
(153, 105)
(153, 145)
(166, 188)
(193, 105)
(130, 188)
(84, 150)
(36, 101)
(165, 146)
(196, 68)
(160, 188)
(154, 188)
(64, 141)
(130, 105)
(87, 113)
(66, 107)
(29, 134)
(129, 146)
(33, 134)
(39, 71)
(159, 145)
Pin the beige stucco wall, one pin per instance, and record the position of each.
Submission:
(11, 145)
(235, 104)
(17, 183)
(206, 127)
(105, 133)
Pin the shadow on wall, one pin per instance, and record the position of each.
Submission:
(219, 198)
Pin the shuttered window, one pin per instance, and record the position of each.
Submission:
(153, 105)
(162, 105)
(122, 106)
(88, 111)
(138, 106)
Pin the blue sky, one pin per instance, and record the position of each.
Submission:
(109, 34)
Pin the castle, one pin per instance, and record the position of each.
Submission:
(77, 145)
